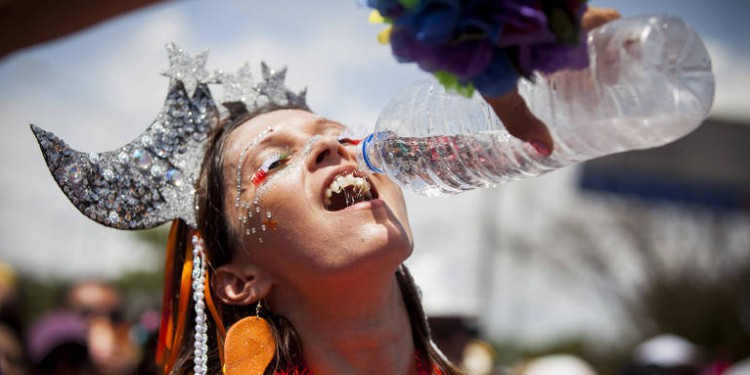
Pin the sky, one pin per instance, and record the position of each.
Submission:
(101, 87)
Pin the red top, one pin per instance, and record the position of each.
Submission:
(423, 368)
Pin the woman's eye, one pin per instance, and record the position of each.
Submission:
(273, 162)
(277, 163)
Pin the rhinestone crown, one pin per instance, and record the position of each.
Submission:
(151, 180)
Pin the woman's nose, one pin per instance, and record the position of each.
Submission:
(328, 151)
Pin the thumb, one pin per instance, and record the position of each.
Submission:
(521, 123)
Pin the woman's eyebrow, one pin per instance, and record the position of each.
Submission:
(255, 151)
(258, 144)
(324, 126)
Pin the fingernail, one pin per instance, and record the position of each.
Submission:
(541, 147)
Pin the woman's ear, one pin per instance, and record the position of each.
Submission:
(235, 285)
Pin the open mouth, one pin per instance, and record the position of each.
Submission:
(348, 189)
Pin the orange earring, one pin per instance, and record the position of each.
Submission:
(249, 346)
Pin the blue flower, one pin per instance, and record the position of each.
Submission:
(499, 77)
(431, 22)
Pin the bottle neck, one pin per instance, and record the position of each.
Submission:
(367, 158)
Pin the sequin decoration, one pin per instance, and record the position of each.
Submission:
(150, 180)
(190, 70)
(240, 87)
(248, 211)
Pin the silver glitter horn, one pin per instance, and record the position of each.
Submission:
(150, 180)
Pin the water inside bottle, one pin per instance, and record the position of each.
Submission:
(445, 165)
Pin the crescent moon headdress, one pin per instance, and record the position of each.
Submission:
(151, 180)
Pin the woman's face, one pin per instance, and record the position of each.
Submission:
(298, 208)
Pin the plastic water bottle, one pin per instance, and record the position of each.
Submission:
(649, 82)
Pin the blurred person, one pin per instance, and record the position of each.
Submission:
(452, 333)
(93, 298)
(10, 313)
(146, 333)
(665, 354)
(557, 364)
(478, 358)
(8, 284)
(12, 354)
(456, 336)
(57, 345)
(739, 368)
(111, 347)
(13, 359)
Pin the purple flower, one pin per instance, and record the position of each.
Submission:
(465, 59)
(538, 47)
(551, 57)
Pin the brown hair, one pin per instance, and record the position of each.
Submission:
(215, 233)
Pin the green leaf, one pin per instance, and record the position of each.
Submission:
(451, 83)
(409, 4)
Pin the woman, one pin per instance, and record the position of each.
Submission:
(329, 273)
(290, 242)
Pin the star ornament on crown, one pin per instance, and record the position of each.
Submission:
(151, 180)
(241, 87)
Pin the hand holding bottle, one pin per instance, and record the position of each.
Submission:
(515, 114)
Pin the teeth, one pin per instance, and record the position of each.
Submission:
(343, 181)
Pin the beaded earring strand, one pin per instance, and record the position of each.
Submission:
(200, 345)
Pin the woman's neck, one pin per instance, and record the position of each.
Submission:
(357, 332)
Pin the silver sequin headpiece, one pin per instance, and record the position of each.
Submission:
(151, 180)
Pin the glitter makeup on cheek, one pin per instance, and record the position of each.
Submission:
(249, 211)
(264, 181)
(241, 162)
(296, 165)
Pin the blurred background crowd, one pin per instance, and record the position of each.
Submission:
(97, 327)
(83, 327)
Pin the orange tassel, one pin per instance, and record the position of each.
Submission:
(249, 347)
(166, 329)
(173, 322)
(184, 297)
